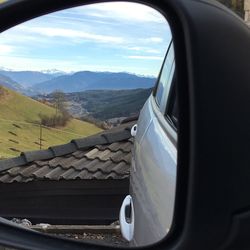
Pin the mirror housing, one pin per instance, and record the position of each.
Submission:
(212, 53)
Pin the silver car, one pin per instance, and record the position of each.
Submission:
(146, 214)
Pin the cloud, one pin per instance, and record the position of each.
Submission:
(73, 34)
(5, 49)
(155, 39)
(24, 63)
(108, 36)
(75, 20)
(145, 49)
(146, 57)
(39, 64)
(121, 10)
(153, 51)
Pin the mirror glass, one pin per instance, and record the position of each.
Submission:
(88, 124)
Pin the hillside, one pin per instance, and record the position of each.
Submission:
(109, 104)
(11, 84)
(104, 104)
(18, 132)
(86, 80)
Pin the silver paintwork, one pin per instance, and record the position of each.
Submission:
(154, 166)
(153, 176)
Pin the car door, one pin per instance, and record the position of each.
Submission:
(154, 162)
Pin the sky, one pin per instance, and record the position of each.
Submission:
(115, 37)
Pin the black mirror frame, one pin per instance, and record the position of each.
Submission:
(198, 206)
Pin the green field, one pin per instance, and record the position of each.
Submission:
(19, 132)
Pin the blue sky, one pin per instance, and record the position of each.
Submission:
(116, 37)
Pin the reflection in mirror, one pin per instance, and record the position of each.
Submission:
(87, 150)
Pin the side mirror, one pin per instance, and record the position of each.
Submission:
(190, 175)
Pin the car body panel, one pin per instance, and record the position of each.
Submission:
(153, 178)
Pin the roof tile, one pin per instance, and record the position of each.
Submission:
(14, 171)
(118, 156)
(84, 174)
(124, 146)
(102, 156)
(41, 172)
(90, 165)
(27, 171)
(6, 178)
(98, 175)
(13, 162)
(121, 168)
(117, 136)
(37, 155)
(79, 164)
(113, 175)
(92, 153)
(63, 149)
(55, 173)
(79, 154)
(90, 141)
(69, 174)
(64, 162)
(17, 178)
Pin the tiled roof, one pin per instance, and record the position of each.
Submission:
(105, 155)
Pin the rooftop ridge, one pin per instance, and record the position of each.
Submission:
(116, 134)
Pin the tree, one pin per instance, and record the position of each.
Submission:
(58, 99)
(61, 116)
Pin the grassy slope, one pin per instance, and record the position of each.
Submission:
(21, 109)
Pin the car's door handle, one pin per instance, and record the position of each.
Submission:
(134, 130)
(127, 218)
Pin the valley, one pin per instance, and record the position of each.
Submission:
(103, 104)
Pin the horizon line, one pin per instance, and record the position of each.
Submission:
(47, 71)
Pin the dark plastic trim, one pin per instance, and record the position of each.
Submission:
(212, 48)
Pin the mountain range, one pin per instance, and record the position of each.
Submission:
(86, 80)
(11, 84)
(34, 82)
(28, 78)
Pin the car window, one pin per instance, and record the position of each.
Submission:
(165, 92)
(167, 88)
(172, 106)
(165, 75)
